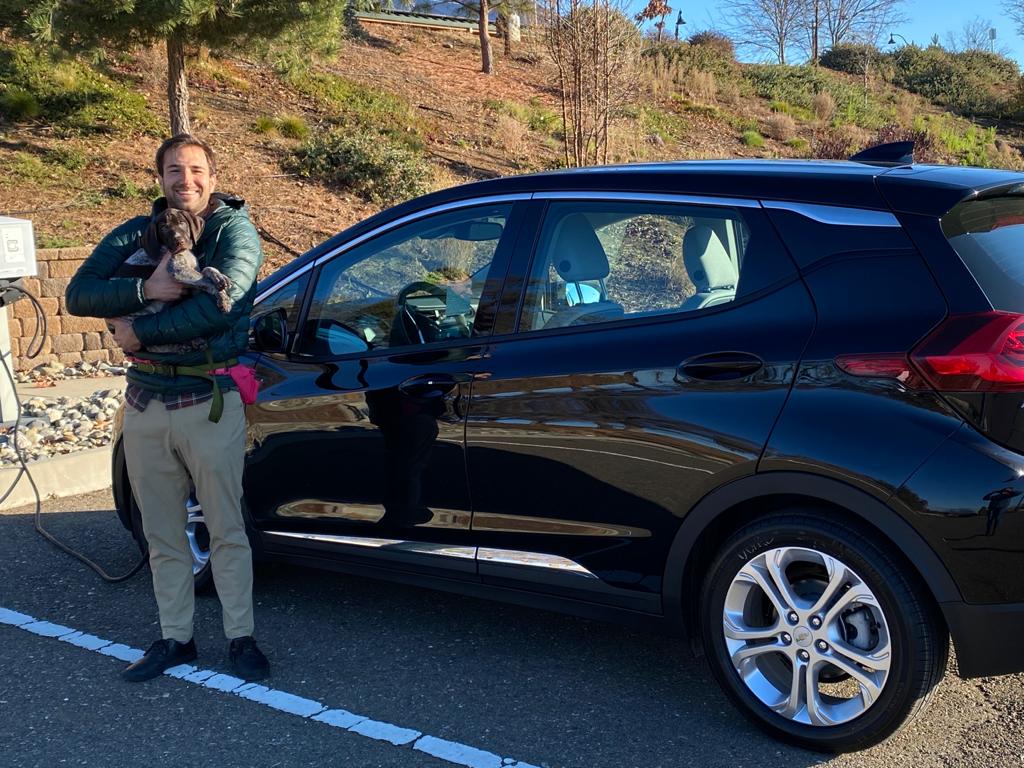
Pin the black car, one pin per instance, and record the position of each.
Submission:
(776, 407)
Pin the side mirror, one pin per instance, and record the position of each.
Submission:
(269, 332)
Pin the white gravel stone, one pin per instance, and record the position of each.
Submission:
(57, 427)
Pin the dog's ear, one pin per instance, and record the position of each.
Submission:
(151, 237)
(195, 226)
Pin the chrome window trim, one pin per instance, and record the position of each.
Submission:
(349, 245)
(650, 197)
(836, 215)
(282, 283)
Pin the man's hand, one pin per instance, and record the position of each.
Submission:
(161, 286)
(124, 335)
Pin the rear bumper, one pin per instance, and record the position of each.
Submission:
(987, 637)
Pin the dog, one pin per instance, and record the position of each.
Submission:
(176, 232)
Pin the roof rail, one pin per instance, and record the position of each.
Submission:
(892, 154)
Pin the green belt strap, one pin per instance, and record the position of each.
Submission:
(199, 371)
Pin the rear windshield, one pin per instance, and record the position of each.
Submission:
(989, 236)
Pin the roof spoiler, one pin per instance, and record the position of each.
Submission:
(893, 154)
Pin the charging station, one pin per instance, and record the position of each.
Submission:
(17, 260)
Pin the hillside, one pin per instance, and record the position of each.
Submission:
(77, 170)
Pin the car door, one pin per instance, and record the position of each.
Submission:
(654, 346)
(356, 443)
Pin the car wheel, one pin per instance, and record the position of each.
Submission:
(818, 634)
(198, 541)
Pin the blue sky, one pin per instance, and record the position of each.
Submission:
(926, 18)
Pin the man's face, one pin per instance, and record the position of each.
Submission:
(186, 181)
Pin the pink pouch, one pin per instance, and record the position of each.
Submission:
(245, 379)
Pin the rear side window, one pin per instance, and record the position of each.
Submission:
(988, 235)
(605, 261)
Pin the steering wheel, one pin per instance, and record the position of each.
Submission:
(411, 327)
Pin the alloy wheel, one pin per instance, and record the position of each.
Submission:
(807, 636)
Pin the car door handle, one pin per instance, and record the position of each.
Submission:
(430, 385)
(719, 366)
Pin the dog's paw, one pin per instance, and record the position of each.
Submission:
(219, 280)
(223, 301)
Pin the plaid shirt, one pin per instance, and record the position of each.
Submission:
(138, 398)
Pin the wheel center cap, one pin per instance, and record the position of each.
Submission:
(803, 637)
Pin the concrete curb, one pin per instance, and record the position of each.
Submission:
(67, 475)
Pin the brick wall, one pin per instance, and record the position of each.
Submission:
(69, 339)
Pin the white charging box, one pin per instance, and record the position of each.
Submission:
(17, 248)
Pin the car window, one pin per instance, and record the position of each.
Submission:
(416, 284)
(288, 297)
(599, 262)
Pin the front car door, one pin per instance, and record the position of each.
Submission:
(356, 442)
(655, 346)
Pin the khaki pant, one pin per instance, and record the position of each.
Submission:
(163, 447)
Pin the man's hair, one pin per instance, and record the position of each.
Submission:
(184, 140)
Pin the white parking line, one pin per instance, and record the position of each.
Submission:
(449, 751)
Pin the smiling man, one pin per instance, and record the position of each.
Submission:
(169, 435)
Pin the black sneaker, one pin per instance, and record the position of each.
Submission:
(247, 660)
(161, 656)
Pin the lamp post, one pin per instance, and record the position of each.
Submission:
(893, 36)
(679, 22)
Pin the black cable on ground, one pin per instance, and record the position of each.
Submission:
(25, 471)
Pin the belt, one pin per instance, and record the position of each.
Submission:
(199, 371)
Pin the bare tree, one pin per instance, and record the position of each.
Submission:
(772, 26)
(847, 21)
(596, 49)
(973, 36)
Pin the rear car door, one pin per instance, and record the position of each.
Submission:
(356, 442)
(654, 345)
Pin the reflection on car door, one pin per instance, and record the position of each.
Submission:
(356, 442)
(655, 348)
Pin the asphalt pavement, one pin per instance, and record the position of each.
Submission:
(514, 684)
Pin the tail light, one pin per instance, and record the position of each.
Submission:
(981, 352)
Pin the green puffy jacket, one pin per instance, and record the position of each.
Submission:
(229, 242)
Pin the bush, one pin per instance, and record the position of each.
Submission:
(721, 44)
(292, 127)
(780, 127)
(264, 124)
(74, 97)
(823, 106)
(752, 139)
(833, 146)
(972, 82)
(850, 58)
(797, 143)
(798, 86)
(18, 105)
(372, 167)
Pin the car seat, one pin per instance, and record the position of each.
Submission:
(578, 256)
(709, 267)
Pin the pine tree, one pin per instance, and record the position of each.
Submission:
(100, 26)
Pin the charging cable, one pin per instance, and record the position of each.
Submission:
(41, 324)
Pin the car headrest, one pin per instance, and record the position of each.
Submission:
(577, 253)
(707, 262)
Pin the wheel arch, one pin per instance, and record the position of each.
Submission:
(728, 508)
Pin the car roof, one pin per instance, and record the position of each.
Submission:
(921, 189)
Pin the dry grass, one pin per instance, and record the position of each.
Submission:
(780, 127)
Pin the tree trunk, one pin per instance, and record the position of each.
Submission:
(485, 39)
(177, 83)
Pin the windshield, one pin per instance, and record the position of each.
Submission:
(988, 235)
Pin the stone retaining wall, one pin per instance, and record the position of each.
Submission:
(69, 339)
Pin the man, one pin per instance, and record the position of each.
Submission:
(181, 419)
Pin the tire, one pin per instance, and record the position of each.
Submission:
(198, 542)
(818, 634)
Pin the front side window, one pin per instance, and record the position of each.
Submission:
(600, 262)
(416, 284)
